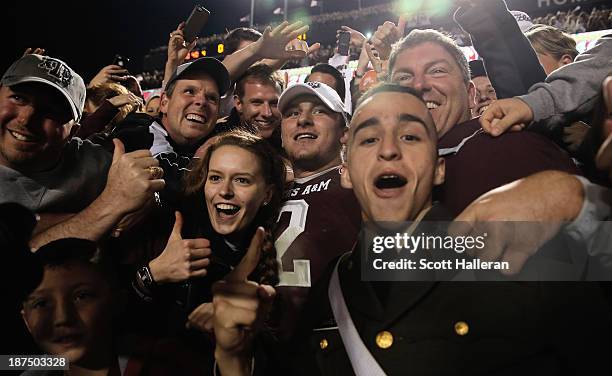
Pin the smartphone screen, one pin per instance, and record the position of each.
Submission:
(121, 61)
(344, 39)
(195, 23)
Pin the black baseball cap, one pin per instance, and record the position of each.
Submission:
(209, 65)
(477, 69)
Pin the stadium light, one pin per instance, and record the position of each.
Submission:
(203, 53)
(286, 10)
(251, 19)
(220, 48)
(368, 34)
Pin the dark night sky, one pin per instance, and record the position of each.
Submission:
(87, 34)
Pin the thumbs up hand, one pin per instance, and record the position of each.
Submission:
(182, 258)
(240, 306)
(386, 35)
(131, 182)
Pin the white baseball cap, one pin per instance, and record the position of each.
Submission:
(326, 94)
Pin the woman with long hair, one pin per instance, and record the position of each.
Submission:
(235, 188)
(240, 182)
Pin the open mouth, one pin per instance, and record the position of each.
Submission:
(67, 339)
(390, 181)
(305, 136)
(263, 123)
(227, 209)
(431, 105)
(23, 137)
(196, 118)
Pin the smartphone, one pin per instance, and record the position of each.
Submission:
(344, 40)
(121, 61)
(195, 23)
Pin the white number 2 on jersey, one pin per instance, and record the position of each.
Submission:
(300, 277)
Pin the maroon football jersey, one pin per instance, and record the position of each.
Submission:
(319, 220)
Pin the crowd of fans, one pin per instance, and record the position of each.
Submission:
(228, 225)
(577, 21)
(151, 80)
(571, 22)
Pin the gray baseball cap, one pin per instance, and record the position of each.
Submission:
(50, 71)
(209, 65)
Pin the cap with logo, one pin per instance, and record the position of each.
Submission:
(50, 71)
(213, 67)
(326, 94)
(522, 19)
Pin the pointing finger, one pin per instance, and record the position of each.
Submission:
(250, 260)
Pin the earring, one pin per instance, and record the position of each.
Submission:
(265, 203)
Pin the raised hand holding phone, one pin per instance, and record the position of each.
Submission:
(195, 23)
(344, 42)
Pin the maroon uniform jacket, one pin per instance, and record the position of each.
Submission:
(484, 162)
(319, 220)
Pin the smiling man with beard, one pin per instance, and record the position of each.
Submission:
(352, 326)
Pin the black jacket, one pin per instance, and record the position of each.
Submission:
(452, 328)
(509, 59)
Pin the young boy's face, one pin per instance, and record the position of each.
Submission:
(70, 312)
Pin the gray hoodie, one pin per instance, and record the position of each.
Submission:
(570, 92)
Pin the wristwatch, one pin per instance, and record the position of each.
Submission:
(145, 277)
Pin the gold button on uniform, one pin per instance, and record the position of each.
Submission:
(323, 344)
(461, 328)
(384, 339)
